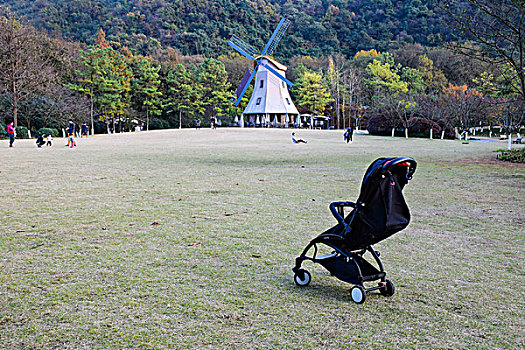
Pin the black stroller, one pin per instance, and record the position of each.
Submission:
(380, 211)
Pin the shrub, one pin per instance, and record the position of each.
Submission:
(380, 125)
(449, 130)
(420, 127)
(513, 156)
(100, 127)
(156, 124)
(21, 132)
(48, 131)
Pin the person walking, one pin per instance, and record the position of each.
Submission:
(348, 134)
(84, 130)
(70, 133)
(198, 124)
(11, 133)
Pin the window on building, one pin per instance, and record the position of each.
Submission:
(287, 100)
(258, 100)
(262, 84)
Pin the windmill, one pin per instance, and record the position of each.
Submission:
(258, 59)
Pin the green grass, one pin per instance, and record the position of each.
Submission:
(82, 266)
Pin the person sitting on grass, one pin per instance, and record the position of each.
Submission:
(294, 140)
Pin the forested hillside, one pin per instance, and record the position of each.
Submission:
(204, 26)
(159, 64)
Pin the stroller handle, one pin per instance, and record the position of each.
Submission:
(406, 161)
(337, 210)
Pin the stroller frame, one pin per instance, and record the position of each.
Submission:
(346, 262)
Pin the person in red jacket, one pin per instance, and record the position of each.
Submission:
(11, 133)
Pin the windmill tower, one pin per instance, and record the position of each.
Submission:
(270, 103)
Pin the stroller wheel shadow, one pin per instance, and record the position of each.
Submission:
(379, 212)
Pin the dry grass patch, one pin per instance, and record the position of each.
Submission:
(186, 239)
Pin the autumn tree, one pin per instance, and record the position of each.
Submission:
(311, 91)
(26, 66)
(496, 29)
(334, 78)
(464, 106)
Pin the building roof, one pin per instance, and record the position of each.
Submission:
(277, 65)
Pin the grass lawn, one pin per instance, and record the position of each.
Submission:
(185, 239)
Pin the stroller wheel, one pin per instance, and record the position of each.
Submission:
(302, 277)
(358, 294)
(388, 289)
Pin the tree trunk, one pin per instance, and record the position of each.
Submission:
(406, 133)
(343, 114)
(91, 112)
(147, 119)
(15, 105)
(337, 109)
(509, 140)
(180, 120)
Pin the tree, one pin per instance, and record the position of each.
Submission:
(145, 87)
(115, 84)
(25, 66)
(216, 93)
(396, 89)
(433, 78)
(505, 109)
(463, 106)
(352, 91)
(88, 77)
(312, 93)
(334, 76)
(182, 95)
(497, 30)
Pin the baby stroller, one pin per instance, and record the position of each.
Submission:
(379, 212)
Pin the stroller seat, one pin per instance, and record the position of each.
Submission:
(379, 212)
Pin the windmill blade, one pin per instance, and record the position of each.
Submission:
(243, 47)
(277, 35)
(243, 83)
(246, 84)
(267, 66)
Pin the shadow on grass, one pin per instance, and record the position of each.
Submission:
(336, 290)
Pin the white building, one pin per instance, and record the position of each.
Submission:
(270, 104)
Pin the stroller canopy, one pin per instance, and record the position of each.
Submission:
(382, 210)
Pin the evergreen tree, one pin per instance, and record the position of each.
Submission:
(216, 93)
(182, 96)
(145, 87)
(88, 77)
(115, 85)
